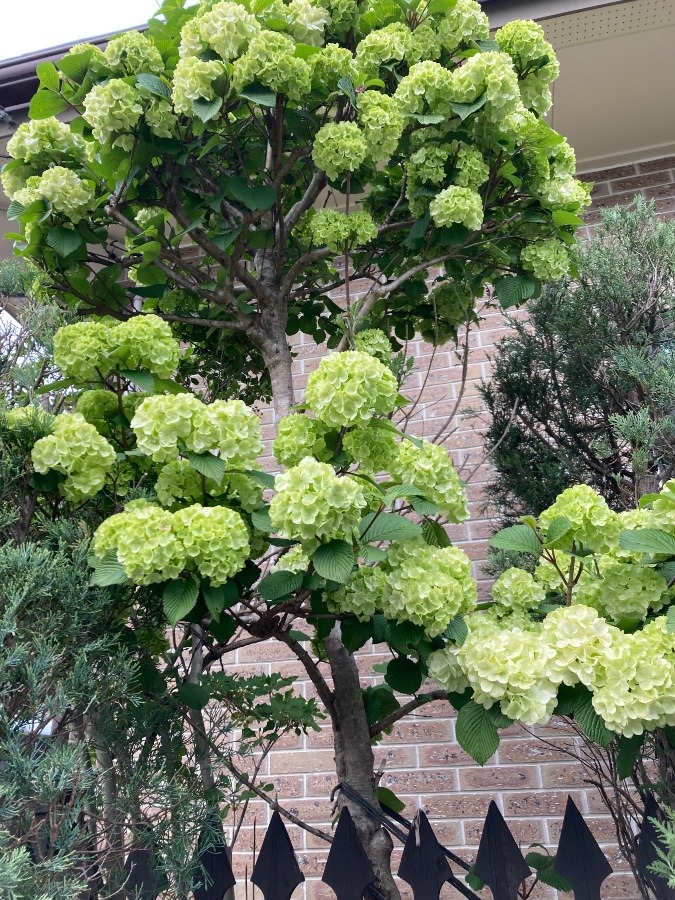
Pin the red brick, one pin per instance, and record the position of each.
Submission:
(311, 761)
(655, 165)
(539, 803)
(492, 778)
(529, 750)
(607, 174)
(563, 775)
(638, 182)
(421, 782)
(525, 831)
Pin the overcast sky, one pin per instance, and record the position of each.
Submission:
(27, 25)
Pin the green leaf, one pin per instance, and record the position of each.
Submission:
(557, 529)
(154, 85)
(648, 540)
(48, 75)
(179, 598)
(512, 290)
(437, 7)
(263, 478)
(107, 571)
(561, 217)
(56, 386)
(226, 239)
(258, 93)
(253, 197)
(64, 240)
(464, 110)
(306, 51)
(224, 629)
(418, 230)
(404, 675)
(428, 118)
(45, 104)
(387, 526)
(372, 554)
(517, 537)
(261, 520)
(424, 507)
(279, 584)
(355, 634)
(498, 717)
(208, 465)
(403, 637)
(567, 700)
(543, 864)
(14, 210)
(670, 620)
(389, 798)
(591, 723)
(457, 630)
(434, 534)
(75, 65)
(144, 380)
(194, 696)
(346, 85)
(207, 109)
(474, 882)
(487, 46)
(628, 750)
(476, 732)
(334, 560)
(219, 598)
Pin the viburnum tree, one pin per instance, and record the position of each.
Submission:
(219, 177)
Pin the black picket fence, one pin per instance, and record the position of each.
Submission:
(425, 864)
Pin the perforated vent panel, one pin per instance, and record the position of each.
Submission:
(609, 21)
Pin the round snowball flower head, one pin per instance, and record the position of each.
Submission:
(271, 60)
(516, 589)
(131, 53)
(382, 123)
(350, 388)
(362, 596)
(66, 191)
(337, 230)
(146, 342)
(99, 408)
(78, 451)
(113, 108)
(374, 449)
(429, 469)
(41, 140)
(226, 28)
(339, 147)
(215, 540)
(313, 503)
(622, 590)
(308, 22)
(177, 481)
(162, 420)
(548, 259)
(582, 642)
(239, 435)
(81, 350)
(594, 524)
(445, 670)
(299, 436)
(457, 205)
(375, 342)
(393, 42)
(193, 79)
(147, 549)
(294, 560)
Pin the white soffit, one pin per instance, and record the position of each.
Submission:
(615, 98)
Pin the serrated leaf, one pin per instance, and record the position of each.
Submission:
(263, 478)
(474, 882)
(279, 584)
(648, 540)
(437, 7)
(476, 732)
(457, 630)
(74, 65)
(64, 240)
(424, 507)
(179, 598)
(487, 46)
(670, 620)
(207, 109)
(14, 210)
(194, 696)
(334, 560)
(208, 465)
(562, 217)
(428, 118)
(591, 723)
(434, 534)
(346, 85)
(144, 380)
(258, 93)
(45, 104)
(404, 675)
(372, 554)
(154, 85)
(306, 51)
(224, 629)
(48, 75)
(107, 571)
(388, 527)
(558, 529)
(403, 637)
(628, 750)
(389, 798)
(519, 538)
(464, 110)
(261, 520)
(512, 290)
(543, 865)
(398, 491)
(253, 197)
(418, 230)
(355, 634)
(219, 598)
(498, 717)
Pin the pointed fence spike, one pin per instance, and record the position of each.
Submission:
(648, 841)
(499, 862)
(140, 882)
(423, 864)
(579, 859)
(212, 853)
(276, 871)
(348, 870)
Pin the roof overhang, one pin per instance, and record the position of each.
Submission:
(502, 11)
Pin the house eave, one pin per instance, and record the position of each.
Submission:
(501, 11)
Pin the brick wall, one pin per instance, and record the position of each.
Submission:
(529, 778)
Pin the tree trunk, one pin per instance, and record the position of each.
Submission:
(354, 759)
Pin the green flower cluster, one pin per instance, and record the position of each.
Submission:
(64, 189)
(20, 417)
(362, 596)
(374, 449)
(75, 449)
(534, 59)
(457, 205)
(548, 259)
(463, 23)
(271, 60)
(350, 388)
(428, 586)
(113, 110)
(593, 523)
(99, 408)
(88, 350)
(226, 28)
(374, 342)
(426, 43)
(160, 117)
(42, 141)
(132, 53)
(345, 14)
(331, 64)
(308, 22)
(299, 436)
(382, 123)
(388, 44)
(178, 480)
(294, 560)
(429, 468)
(339, 147)
(619, 590)
(516, 589)
(229, 426)
(444, 669)
(193, 79)
(335, 229)
(215, 540)
(312, 503)
(472, 169)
